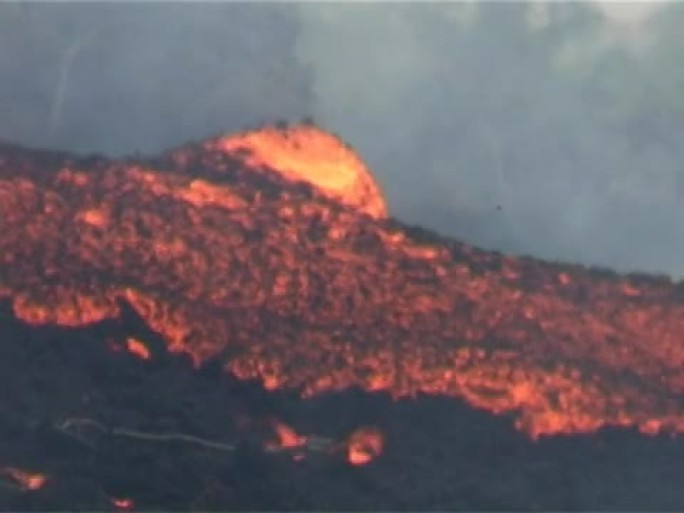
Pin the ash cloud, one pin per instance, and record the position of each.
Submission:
(518, 127)
(525, 143)
(124, 77)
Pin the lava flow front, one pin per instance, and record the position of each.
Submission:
(270, 250)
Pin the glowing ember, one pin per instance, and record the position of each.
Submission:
(123, 504)
(287, 437)
(27, 480)
(137, 348)
(364, 445)
(304, 152)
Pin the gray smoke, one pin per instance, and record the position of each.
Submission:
(472, 127)
(478, 130)
(126, 77)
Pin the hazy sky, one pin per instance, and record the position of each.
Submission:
(628, 13)
(400, 82)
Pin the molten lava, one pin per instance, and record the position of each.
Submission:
(258, 249)
(24, 479)
(287, 437)
(306, 153)
(138, 348)
(364, 445)
(123, 504)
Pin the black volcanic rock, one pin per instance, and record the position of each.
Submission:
(440, 454)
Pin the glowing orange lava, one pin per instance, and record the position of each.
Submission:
(287, 437)
(225, 259)
(364, 445)
(123, 504)
(25, 479)
(305, 152)
(138, 348)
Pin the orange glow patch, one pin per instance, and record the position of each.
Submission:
(95, 217)
(287, 437)
(364, 445)
(27, 480)
(305, 152)
(201, 193)
(123, 504)
(138, 348)
(630, 290)
(564, 278)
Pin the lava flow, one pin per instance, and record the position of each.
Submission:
(270, 250)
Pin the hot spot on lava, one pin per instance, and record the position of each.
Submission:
(123, 504)
(364, 445)
(305, 152)
(25, 479)
(360, 448)
(287, 438)
(138, 348)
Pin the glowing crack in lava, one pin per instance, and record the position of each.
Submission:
(227, 255)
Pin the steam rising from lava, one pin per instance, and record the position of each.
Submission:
(244, 249)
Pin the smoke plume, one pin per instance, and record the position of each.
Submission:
(472, 126)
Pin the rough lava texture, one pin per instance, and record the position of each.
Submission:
(440, 454)
(221, 253)
(307, 153)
